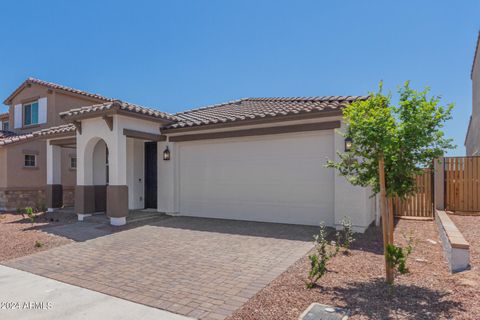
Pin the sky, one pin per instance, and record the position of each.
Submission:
(179, 55)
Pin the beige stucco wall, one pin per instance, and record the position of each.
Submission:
(17, 175)
(3, 168)
(472, 141)
(69, 175)
(14, 175)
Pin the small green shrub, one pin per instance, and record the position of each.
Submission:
(38, 244)
(30, 214)
(347, 233)
(397, 256)
(319, 259)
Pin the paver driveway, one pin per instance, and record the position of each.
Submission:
(202, 268)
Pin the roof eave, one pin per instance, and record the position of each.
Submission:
(111, 112)
(28, 82)
(267, 119)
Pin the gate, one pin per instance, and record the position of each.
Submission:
(420, 204)
(462, 190)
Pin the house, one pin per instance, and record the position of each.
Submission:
(34, 106)
(472, 139)
(257, 159)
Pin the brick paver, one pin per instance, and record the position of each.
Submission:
(203, 268)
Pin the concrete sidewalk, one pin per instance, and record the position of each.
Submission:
(27, 296)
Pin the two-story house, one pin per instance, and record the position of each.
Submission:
(35, 106)
(472, 140)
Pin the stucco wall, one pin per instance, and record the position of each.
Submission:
(3, 168)
(69, 175)
(17, 174)
(472, 142)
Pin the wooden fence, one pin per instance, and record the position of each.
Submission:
(462, 189)
(420, 204)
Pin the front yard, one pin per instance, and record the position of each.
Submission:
(356, 281)
(19, 237)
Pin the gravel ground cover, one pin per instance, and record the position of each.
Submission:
(356, 281)
(19, 237)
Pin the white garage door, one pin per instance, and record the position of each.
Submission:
(277, 178)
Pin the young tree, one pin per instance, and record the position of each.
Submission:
(390, 146)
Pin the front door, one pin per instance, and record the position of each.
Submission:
(151, 175)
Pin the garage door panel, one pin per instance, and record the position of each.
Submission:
(277, 179)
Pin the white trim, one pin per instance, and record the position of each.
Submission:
(17, 116)
(42, 110)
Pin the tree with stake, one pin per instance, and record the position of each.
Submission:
(390, 146)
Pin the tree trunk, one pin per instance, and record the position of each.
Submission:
(385, 217)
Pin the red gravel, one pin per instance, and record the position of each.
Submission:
(18, 235)
(356, 282)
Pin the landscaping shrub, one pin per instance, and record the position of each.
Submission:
(397, 256)
(346, 234)
(323, 253)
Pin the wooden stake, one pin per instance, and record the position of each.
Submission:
(390, 220)
(384, 214)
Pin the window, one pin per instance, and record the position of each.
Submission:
(73, 163)
(5, 126)
(30, 112)
(30, 161)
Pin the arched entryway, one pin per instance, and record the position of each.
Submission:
(91, 193)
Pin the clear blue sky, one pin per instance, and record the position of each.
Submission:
(179, 55)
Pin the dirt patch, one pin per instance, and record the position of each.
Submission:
(19, 237)
(356, 282)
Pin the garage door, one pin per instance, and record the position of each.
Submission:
(277, 178)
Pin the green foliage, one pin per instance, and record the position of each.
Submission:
(346, 237)
(30, 214)
(409, 136)
(38, 244)
(397, 256)
(324, 252)
(319, 259)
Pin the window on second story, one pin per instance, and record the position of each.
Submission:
(5, 126)
(30, 111)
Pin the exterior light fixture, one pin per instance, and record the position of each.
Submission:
(348, 144)
(166, 154)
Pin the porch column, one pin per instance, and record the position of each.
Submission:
(117, 189)
(438, 183)
(54, 190)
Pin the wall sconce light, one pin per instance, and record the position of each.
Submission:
(348, 144)
(166, 154)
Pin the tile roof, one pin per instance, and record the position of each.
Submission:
(3, 115)
(116, 105)
(64, 128)
(14, 138)
(52, 85)
(6, 134)
(257, 108)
